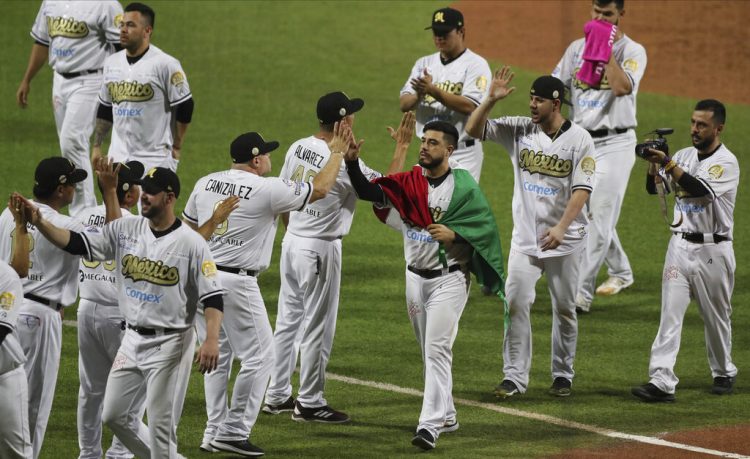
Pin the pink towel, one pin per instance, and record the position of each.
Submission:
(600, 37)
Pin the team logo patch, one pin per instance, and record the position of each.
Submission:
(413, 309)
(553, 166)
(481, 83)
(630, 65)
(588, 165)
(208, 268)
(671, 272)
(715, 172)
(143, 269)
(437, 213)
(439, 17)
(129, 91)
(7, 300)
(118, 20)
(66, 27)
(177, 78)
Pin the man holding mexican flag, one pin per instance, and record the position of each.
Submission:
(449, 231)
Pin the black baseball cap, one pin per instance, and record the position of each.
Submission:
(335, 106)
(159, 179)
(54, 171)
(249, 145)
(446, 19)
(130, 174)
(549, 87)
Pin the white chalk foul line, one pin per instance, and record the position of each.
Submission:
(542, 418)
(525, 414)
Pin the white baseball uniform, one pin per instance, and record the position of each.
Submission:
(467, 75)
(546, 173)
(598, 109)
(51, 284)
(80, 35)
(101, 326)
(310, 277)
(703, 271)
(160, 279)
(142, 96)
(242, 248)
(15, 441)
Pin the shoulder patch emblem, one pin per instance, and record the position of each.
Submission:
(7, 300)
(588, 165)
(208, 268)
(715, 172)
(118, 20)
(177, 78)
(481, 83)
(630, 65)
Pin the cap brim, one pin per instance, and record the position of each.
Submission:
(78, 175)
(270, 146)
(441, 28)
(356, 105)
(132, 171)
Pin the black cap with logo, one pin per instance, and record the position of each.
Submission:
(55, 171)
(549, 87)
(159, 179)
(335, 106)
(446, 19)
(130, 174)
(249, 145)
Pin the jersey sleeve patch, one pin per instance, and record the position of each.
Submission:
(588, 165)
(208, 268)
(715, 172)
(177, 78)
(7, 300)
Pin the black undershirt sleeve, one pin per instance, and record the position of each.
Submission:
(184, 111)
(76, 245)
(4, 331)
(366, 190)
(105, 113)
(214, 301)
(693, 186)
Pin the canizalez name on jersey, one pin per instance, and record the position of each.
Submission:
(143, 296)
(98, 277)
(154, 272)
(309, 156)
(66, 27)
(129, 91)
(540, 190)
(534, 163)
(228, 189)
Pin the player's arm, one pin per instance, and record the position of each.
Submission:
(687, 182)
(554, 236)
(617, 78)
(183, 117)
(498, 90)
(339, 145)
(285, 219)
(60, 237)
(408, 102)
(37, 58)
(20, 259)
(106, 172)
(219, 216)
(103, 125)
(403, 137)
(208, 354)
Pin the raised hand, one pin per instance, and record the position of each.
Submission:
(107, 172)
(499, 88)
(30, 210)
(342, 139)
(224, 209)
(422, 84)
(405, 132)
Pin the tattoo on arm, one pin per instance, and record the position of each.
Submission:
(101, 130)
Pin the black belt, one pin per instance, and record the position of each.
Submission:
(45, 301)
(605, 132)
(240, 271)
(152, 331)
(70, 75)
(433, 273)
(699, 239)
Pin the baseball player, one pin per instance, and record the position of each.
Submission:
(448, 86)
(700, 260)
(142, 87)
(51, 284)
(76, 37)
(311, 272)
(608, 113)
(164, 269)
(553, 167)
(440, 241)
(101, 323)
(242, 247)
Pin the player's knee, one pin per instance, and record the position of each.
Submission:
(72, 145)
(114, 417)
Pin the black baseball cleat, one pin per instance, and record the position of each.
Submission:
(650, 393)
(424, 440)
(560, 387)
(723, 385)
(324, 414)
(506, 389)
(288, 405)
(241, 447)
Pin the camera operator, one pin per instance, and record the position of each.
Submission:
(700, 258)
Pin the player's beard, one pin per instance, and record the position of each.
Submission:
(702, 143)
(433, 164)
(152, 207)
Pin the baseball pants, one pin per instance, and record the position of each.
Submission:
(435, 307)
(470, 158)
(40, 334)
(704, 272)
(523, 273)
(100, 330)
(215, 383)
(74, 101)
(162, 363)
(15, 441)
(250, 337)
(615, 157)
(308, 303)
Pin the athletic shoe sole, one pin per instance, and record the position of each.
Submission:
(207, 448)
(421, 442)
(447, 428)
(231, 449)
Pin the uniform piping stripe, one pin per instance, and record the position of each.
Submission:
(40, 39)
(178, 102)
(307, 198)
(707, 186)
(192, 220)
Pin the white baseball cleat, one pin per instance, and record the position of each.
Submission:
(612, 286)
(450, 425)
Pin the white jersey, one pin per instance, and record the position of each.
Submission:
(546, 173)
(97, 280)
(52, 271)
(421, 251)
(79, 34)
(468, 75)
(11, 298)
(245, 239)
(142, 96)
(330, 217)
(597, 108)
(713, 213)
(160, 280)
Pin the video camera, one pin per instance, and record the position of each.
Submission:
(659, 143)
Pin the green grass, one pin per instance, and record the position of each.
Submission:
(262, 66)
